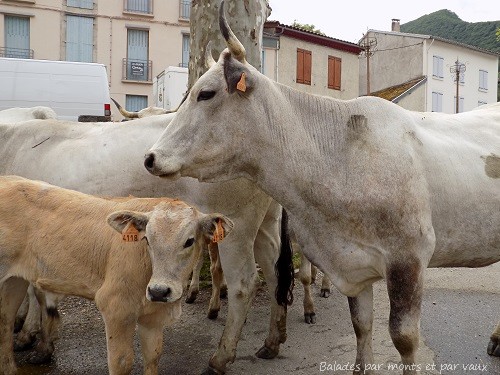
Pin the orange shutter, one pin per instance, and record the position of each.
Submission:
(307, 67)
(300, 66)
(334, 72)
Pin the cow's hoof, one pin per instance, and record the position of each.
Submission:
(325, 293)
(213, 314)
(192, 297)
(494, 347)
(23, 345)
(212, 371)
(39, 358)
(310, 318)
(18, 324)
(266, 353)
(223, 292)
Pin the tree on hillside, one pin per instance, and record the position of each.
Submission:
(247, 22)
(307, 27)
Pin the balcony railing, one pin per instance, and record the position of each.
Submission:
(185, 9)
(137, 70)
(138, 6)
(19, 53)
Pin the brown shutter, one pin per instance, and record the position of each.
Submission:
(307, 67)
(334, 72)
(300, 65)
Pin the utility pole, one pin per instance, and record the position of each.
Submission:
(456, 70)
(368, 44)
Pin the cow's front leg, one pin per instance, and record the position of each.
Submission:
(361, 308)
(150, 331)
(494, 344)
(12, 293)
(405, 286)
(241, 276)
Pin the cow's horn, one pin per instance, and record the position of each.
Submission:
(234, 45)
(124, 112)
(209, 59)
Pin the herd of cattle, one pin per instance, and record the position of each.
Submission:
(373, 192)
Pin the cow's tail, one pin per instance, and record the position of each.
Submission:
(284, 266)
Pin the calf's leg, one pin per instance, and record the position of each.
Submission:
(12, 293)
(494, 344)
(325, 287)
(361, 308)
(27, 335)
(217, 280)
(194, 285)
(305, 276)
(150, 332)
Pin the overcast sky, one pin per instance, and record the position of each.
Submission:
(349, 19)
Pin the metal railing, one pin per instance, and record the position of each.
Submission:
(138, 6)
(19, 53)
(137, 70)
(185, 9)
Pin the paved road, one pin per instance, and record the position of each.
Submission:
(460, 309)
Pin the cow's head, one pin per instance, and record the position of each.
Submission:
(175, 234)
(213, 126)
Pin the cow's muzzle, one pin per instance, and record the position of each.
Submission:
(159, 293)
(153, 166)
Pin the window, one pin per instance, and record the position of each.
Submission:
(134, 103)
(17, 37)
(304, 60)
(185, 9)
(334, 65)
(137, 65)
(79, 38)
(483, 80)
(139, 6)
(460, 104)
(437, 102)
(437, 67)
(185, 50)
(85, 4)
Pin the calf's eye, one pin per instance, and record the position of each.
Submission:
(205, 95)
(189, 243)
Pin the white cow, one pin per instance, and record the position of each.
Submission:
(107, 159)
(24, 114)
(374, 191)
(58, 240)
(145, 112)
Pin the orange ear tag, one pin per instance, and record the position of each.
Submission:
(242, 83)
(219, 230)
(130, 233)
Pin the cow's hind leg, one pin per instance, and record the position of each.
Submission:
(325, 287)
(50, 327)
(361, 308)
(217, 280)
(12, 293)
(21, 314)
(305, 276)
(405, 286)
(494, 344)
(26, 337)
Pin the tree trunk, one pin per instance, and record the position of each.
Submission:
(245, 17)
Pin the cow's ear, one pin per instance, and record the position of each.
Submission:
(238, 76)
(216, 227)
(121, 219)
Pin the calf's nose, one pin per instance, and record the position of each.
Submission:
(149, 162)
(159, 293)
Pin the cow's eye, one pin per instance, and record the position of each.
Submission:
(206, 95)
(189, 243)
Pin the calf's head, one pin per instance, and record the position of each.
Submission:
(220, 116)
(175, 234)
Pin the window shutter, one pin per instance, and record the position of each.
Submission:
(307, 67)
(300, 66)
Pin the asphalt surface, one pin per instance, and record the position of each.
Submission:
(460, 309)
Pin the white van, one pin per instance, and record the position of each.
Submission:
(71, 89)
(169, 87)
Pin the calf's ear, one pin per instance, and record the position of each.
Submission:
(121, 219)
(238, 76)
(216, 227)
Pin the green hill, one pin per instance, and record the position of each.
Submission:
(447, 24)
